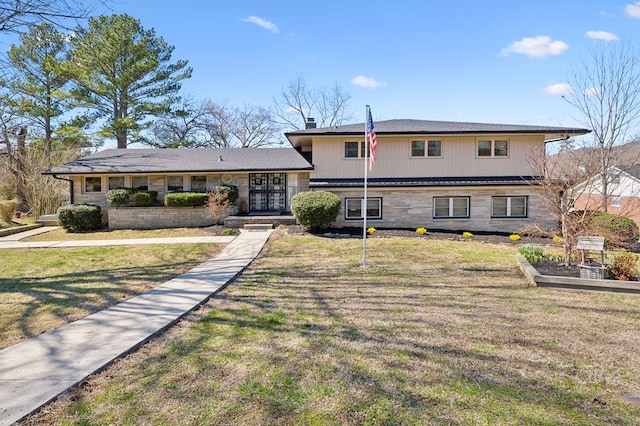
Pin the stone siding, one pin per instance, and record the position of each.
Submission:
(158, 217)
(413, 207)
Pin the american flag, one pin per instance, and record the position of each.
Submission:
(373, 143)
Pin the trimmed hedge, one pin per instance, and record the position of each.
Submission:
(315, 210)
(619, 231)
(186, 199)
(119, 197)
(80, 217)
(145, 198)
(231, 191)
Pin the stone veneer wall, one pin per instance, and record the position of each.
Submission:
(158, 217)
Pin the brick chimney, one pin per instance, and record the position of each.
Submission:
(311, 123)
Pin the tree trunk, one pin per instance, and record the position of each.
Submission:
(21, 173)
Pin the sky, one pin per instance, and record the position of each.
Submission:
(488, 61)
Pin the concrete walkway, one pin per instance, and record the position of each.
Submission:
(13, 241)
(36, 371)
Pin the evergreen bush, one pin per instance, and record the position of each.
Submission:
(230, 190)
(315, 210)
(186, 199)
(618, 231)
(145, 198)
(80, 217)
(119, 197)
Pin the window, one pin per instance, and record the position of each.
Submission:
(434, 149)
(140, 183)
(116, 182)
(174, 183)
(351, 149)
(509, 206)
(450, 207)
(353, 208)
(93, 184)
(199, 183)
(493, 148)
(417, 148)
(430, 149)
(615, 201)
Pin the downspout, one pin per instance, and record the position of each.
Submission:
(70, 187)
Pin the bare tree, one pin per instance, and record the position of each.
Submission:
(606, 94)
(19, 15)
(297, 102)
(558, 176)
(208, 124)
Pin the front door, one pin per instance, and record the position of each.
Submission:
(268, 192)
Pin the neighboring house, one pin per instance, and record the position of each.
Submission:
(623, 190)
(434, 174)
(267, 178)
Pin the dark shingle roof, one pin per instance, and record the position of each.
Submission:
(175, 160)
(407, 126)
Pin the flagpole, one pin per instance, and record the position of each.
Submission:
(363, 206)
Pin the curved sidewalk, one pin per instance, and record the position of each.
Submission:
(36, 371)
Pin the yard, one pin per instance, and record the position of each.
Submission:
(433, 332)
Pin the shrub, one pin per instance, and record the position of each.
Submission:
(7, 210)
(186, 199)
(514, 237)
(619, 231)
(625, 266)
(230, 190)
(229, 231)
(217, 204)
(315, 210)
(119, 197)
(532, 252)
(80, 217)
(467, 234)
(421, 231)
(145, 198)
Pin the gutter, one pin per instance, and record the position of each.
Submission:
(70, 186)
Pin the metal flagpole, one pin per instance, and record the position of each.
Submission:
(363, 205)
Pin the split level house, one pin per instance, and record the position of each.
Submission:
(432, 174)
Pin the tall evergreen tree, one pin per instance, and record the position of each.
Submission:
(37, 80)
(123, 73)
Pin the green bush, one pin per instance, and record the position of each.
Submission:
(185, 199)
(145, 198)
(231, 191)
(7, 210)
(532, 252)
(119, 197)
(315, 210)
(619, 231)
(80, 217)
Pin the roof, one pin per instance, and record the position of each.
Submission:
(425, 181)
(426, 127)
(633, 170)
(181, 160)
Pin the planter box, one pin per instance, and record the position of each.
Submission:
(158, 217)
(594, 272)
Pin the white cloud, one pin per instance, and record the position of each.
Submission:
(601, 35)
(558, 89)
(368, 82)
(591, 91)
(269, 26)
(536, 47)
(633, 10)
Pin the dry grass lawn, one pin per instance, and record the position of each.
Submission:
(42, 289)
(433, 332)
(119, 234)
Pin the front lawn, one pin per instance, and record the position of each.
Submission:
(42, 289)
(433, 332)
(119, 234)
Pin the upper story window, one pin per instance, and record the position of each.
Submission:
(92, 184)
(493, 148)
(354, 150)
(509, 206)
(432, 148)
(116, 182)
(199, 183)
(175, 183)
(140, 183)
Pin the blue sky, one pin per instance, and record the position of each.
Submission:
(484, 61)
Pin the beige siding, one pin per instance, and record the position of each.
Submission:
(394, 158)
(413, 208)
